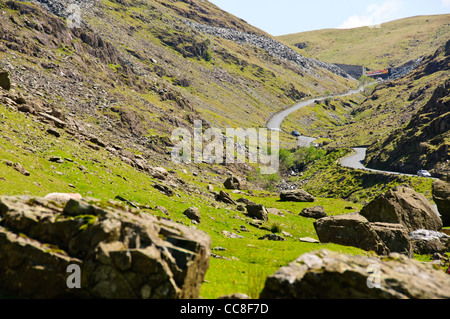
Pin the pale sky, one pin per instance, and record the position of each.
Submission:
(279, 17)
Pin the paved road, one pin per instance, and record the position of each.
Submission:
(276, 120)
(356, 161)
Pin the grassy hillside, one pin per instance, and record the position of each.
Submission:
(148, 65)
(393, 44)
(98, 174)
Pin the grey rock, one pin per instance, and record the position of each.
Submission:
(427, 242)
(272, 237)
(193, 214)
(231, 235)
(316, 212)
(233, 183)
(350, 230)
(121, 255)
(258, 211)
(330, 275)
(225, 198)
(298, 195)
(441, 196)
(404, 206)
(309, 240)
(395, 237)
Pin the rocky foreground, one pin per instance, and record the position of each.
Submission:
(122, 253)
(326, 274)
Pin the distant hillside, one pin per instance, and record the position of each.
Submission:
(424, 143)
(397, 118)
(392, 44)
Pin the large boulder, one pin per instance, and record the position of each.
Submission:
(298, 195)
(350, 230)
(428, 242)
(441, 196)
(5, 82)
(257, 211)
(233, 183)
(403, 205)
(193, 214)
(316, 212)
(330, 275)
(120, 252)
(395, 237)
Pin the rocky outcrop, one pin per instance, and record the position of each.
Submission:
(441, 196)
(330, 275)
(403, 206)
(423, 142)
(298, 195)
(233, 183)
(316, 212)
(428, 242)
(274, 47)
(350, 230)
(257, 211)
(120, 253)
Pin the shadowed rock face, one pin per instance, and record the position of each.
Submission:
(403, 206)
(121, 254)
(350, 230)
(316, 212)
(441, 196)
(330, 275)
(355, 230)
(5, 82)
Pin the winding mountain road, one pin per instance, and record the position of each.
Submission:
(356, 161)
(277, 119)
(353, 161)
